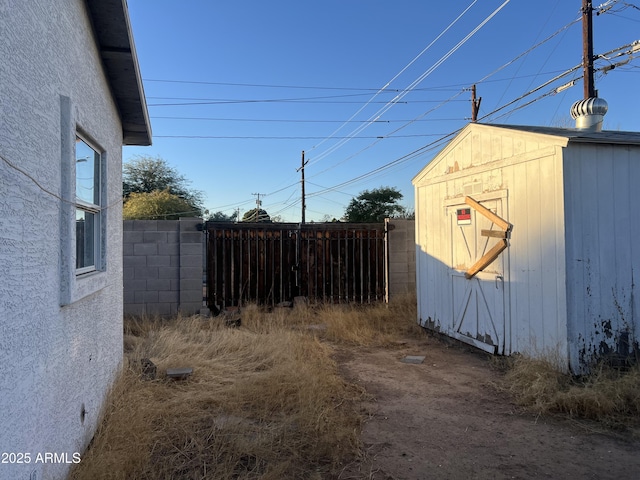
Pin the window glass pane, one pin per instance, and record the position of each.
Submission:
(87, 173)
(86, 232)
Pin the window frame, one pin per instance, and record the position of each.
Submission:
(86, 207)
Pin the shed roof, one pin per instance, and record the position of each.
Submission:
(115, 42)
(574, 135)
(562, 137)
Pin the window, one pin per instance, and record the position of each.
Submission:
(88, 207)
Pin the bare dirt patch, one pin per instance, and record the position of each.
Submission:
(445, 419)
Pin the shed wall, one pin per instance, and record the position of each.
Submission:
(603, 252)
(55, 361)
(526, 171)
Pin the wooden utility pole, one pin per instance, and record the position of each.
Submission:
(587, 49)
(475, 104)
(304, 205)
(258, 205)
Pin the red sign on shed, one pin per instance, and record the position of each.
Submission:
(464, 216)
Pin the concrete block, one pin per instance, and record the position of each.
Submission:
(127, 225)
(190, 272)
(168, 225)
(191, 237)
(145, 225)
(175, 261)
(169, 272)
(134, 309)
(163, 309)
(171, 296)
(169, 249)
(159, 284)
(159, 261)
(134, 261)
(145, 249)
(155, 237)
(190, 296)
(191, 249)
(127, 249)
(128, 296)
(415, 359)
(191, 261)
(132, 237)
(175, 284)
(127, 274)
(146, 297)
(145, 273)
(135, 284)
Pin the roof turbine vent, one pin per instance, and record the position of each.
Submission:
(589, 113)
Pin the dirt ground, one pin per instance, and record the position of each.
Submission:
(443, 419)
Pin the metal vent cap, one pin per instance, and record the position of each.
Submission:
(589, 113)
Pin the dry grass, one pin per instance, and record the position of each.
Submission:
(265, 400)
(608, 396)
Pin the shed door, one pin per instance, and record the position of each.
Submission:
(478, 302)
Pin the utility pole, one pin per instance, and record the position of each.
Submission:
(258, 204)
(304, 205)
(475, 104)
(587, 49)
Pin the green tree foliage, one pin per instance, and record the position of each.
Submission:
(374, 205)
(256, 215)
(222, 217)
(157, 205)
(148, 175)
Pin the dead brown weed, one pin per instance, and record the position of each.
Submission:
(264, 401)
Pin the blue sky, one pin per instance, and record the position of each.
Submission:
(237, 90)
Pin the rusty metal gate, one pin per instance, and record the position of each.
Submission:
(271, 263)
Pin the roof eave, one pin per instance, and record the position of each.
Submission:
(114, 37)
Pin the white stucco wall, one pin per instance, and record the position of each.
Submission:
(60, 336)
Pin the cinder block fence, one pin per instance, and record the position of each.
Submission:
(164, 262)
(163, 266)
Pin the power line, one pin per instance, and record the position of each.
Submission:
(269, 120)
(414, 84)
(248, 137)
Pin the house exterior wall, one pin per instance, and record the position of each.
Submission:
(522, 172)
(603, 252)
(163, 266)
(61, 336)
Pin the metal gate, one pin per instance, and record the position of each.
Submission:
(271, 263)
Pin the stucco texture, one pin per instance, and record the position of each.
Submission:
(60, 336)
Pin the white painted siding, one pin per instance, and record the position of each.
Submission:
(570, 291)
(603, 251)
(53, 359)
(525, 171)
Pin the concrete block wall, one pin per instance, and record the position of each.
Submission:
(402, 257)
(163, 266)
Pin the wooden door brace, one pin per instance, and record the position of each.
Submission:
(497, 249)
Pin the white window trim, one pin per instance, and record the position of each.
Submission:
(96, 209)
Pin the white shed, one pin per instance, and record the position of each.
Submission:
(525, 242)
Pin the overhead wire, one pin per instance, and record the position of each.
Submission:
(415, 83)
(376, 116)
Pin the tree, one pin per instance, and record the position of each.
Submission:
(156, 205)
(256, 215)
(148, 175)
(222, 217)
(374, 205)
